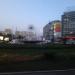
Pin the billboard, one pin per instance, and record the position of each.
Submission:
(57, 27)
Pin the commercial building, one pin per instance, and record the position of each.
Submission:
(68, 23)
(26, 35)
(52, 30)
(48, 31)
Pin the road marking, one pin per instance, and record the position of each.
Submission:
(28, 72)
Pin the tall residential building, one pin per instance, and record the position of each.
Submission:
(52, 30)
(68, 23)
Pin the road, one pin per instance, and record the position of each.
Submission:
(51, 72)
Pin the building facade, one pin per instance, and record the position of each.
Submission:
(68, 23)
(48, 32)
(26, 35)
(52, 30)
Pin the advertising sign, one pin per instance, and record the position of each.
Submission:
(57, 27)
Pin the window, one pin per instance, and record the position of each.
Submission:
(73, 19)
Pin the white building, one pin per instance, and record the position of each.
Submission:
(26, 35)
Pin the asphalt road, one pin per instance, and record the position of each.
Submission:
(51, 72)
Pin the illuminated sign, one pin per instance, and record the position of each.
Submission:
(57, 27)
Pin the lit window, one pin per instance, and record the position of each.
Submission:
(1, 38)
(6, 39)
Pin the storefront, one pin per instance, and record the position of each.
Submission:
(69, 40)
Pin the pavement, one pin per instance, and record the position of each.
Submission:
(49, 72)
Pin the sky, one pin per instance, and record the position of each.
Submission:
(20, 14)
